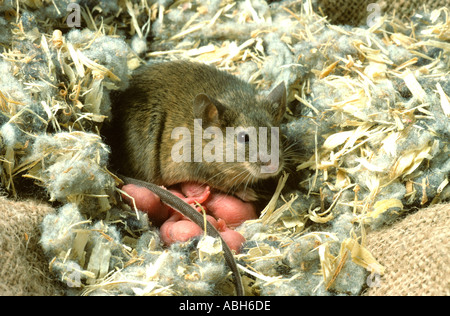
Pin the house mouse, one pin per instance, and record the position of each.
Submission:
(173, 111)
(167, 97)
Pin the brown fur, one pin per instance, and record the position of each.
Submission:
(162, 97)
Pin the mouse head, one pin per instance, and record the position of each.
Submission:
(216, 112)
(243, 129)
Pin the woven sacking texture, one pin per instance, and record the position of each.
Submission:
(23, 266)
(415, 253)
(406, 8)
(352, 12)
(357, 12)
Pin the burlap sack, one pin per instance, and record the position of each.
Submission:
(415, 253)
(23, 266)
(358, 12)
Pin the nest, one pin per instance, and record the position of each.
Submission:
(368, 107)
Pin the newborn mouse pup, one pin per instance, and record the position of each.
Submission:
(185, 209)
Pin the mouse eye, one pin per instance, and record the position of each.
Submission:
(243, 137)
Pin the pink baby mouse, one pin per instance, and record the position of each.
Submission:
(224, 212)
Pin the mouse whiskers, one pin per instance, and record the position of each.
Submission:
(220, 177)
(292, 154)
(242, 185)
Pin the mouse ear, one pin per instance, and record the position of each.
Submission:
(277, 98)
(207, 109)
